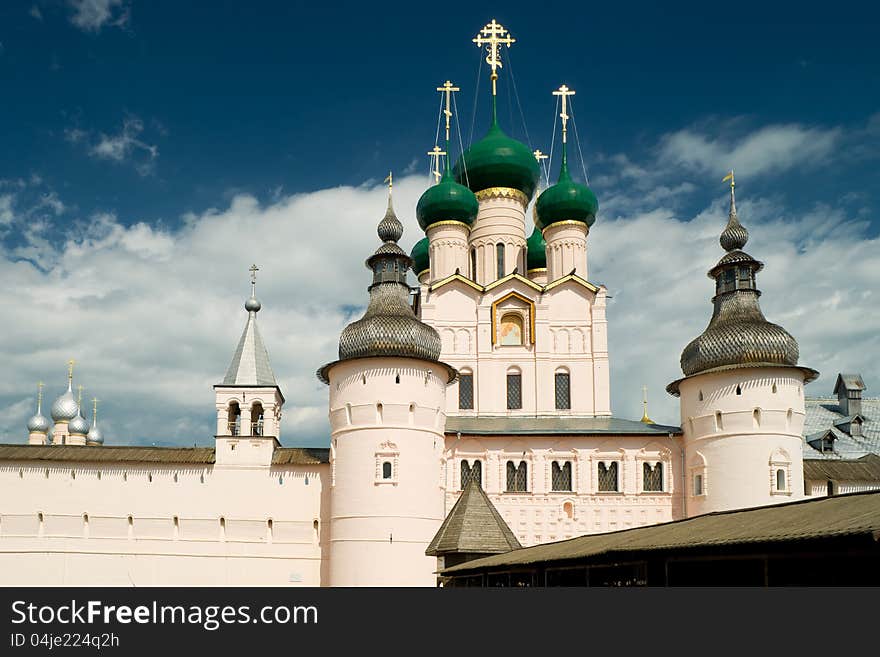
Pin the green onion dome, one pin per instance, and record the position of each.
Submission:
(419, 255)
(498, 161)
(536, 251)
(566, 201)
(446, 201)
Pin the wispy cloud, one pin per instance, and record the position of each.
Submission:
(773, 148)
(125, 146)
(93, 15)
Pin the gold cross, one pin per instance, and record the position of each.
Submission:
(539, 155)
(565, 92)
(390, 181)
(253, 270)
(79, 395)
(40, 393)
(70, 365)
(729, 176)
(447, 88)
(95, 401)
(493, 37)
(435, 162)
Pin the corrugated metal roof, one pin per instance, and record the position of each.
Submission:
(473, 526)
(145, 454)
(514, 425)
(856, 513)
(866, 468)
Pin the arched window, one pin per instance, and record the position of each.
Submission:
(563, 391)
(466, 391)
(511, 329)
(701, 395)
(698, 484)
(233, 418)
(560, 476)
(719, 425)
(499, 252)
(471, 473)
(516, 477)
(568, 510)
(386, 470)
(780, 479)
(739, 389)
(257, 419)
(608, 477)
(652, 477)
(756, 418)
(514, 390)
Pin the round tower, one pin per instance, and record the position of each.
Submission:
(564, 212)
(387, 401)
(742, 397)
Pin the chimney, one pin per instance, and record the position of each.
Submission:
(849, 389)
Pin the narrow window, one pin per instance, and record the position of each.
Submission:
(474, 265)
(756, 417)
(516, 477)
(397, 378)
(608, 477)
(514, 390)
(774, 388)
(829, 488)
(563, 391)
(652, 477)
(560, 474)
(698, 484)
(386, 470)
(499, 249)
(719, 425)
(701, 395)
(739, 389)
(466, 391)
(780, 479)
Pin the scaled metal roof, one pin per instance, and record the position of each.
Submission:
(822, 414)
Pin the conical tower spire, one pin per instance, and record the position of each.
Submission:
(250, 363)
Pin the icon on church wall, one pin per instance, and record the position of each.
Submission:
(511, 330)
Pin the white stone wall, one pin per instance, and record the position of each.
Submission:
(137, 524)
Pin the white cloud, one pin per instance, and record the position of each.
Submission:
(153, 314)
(6, 214)
(92, 15)
(124, 146)
(36, 13)
(773, 148)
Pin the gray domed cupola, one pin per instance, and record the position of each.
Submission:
(389, 326)
(65, 408)
(738, 335)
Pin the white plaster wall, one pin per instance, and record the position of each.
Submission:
(448, 249)
(735, 455)
(566, 249)
(380, 528)
(540, 514)
(151, 549)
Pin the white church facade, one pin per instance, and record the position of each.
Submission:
(468, 415)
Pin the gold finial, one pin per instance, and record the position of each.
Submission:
(645, 417)
(390, 181)
(70, 365)
(448, 88)
(565, 92)
(493, 36)
(435, 162)
(729, 177)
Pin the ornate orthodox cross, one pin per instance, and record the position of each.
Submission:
(70, 365)
(565, 92)
(447, 88)
(95, 401)
(493, 36)
(253, 270)
(435, 162)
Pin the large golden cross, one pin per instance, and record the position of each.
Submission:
(493, 36)
(435, 162)
(447, 88)
(565, 92)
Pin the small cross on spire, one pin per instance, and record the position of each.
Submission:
(95, 401)
(435, 154)
(253, 270)
(447, 89)
(565, 92)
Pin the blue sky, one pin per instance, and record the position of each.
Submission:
(142, 130)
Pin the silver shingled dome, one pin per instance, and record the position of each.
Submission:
(95, 436)
(78, 425)
(65, 408)
(39, 423)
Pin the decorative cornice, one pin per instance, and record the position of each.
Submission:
(565, 222)
(419, 275)
(453, 278)
(574, 278)
(448, 222)
(536, 270)
(503, 192)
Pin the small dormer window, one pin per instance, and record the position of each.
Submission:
(855, 427)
